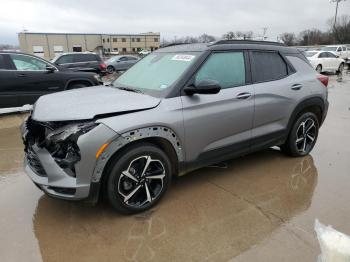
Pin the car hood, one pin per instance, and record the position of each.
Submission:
(90, 102)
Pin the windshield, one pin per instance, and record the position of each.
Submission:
(310, 54)
(330, 48)
(156, 72)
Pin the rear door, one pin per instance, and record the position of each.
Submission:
(218, 126)
(32, 79)
(276, 88)
(8, 94)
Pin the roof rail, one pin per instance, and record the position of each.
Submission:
(222, 42)
(174, 44)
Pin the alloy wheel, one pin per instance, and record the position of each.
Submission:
(306, 135)
(142, 182)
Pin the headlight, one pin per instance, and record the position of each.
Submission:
(70, 132)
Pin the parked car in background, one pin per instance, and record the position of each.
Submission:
(324, 61)
(178, 109)
(144, 52)
(24, 78)
(339, 50)
(120, 63)
(81, 61)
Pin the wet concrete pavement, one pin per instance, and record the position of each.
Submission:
(261, 208)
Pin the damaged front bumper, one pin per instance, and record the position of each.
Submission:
(46, 170)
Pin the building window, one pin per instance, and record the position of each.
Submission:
(115, 39)
(115, 49)
(123, 39)
(109, 50)
(38, 50)
(108, 40)
(77, 48)
(155, 39)
(103, 40)
(58, 49)
(132, 39)
(124, 49)
(138, 40)
(134, 49)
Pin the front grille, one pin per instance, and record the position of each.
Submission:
(34, 162)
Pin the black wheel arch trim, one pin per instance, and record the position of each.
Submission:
(313, 101)
(78, 80)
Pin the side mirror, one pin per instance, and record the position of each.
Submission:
(337, 56)
(50, 69)
(205, 87)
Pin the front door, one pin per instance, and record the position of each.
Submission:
(218, 126)
(32, 79)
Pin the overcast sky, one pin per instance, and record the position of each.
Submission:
(170, 18)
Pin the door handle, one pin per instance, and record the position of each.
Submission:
(297, 86)
(21, 75)
(53, 87)
(243, 95)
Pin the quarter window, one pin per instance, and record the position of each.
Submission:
(268, 66)
(66, 59)
(27, 63)
(226, 68)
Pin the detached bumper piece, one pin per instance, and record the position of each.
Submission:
(51, 163)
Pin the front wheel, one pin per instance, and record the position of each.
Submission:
(303, 135)
(139, 178)
(319, 69)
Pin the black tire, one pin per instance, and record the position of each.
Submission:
(341, 68)
(78, 85)
(119, 186)
(319, 68)
(299, 142)
(110, 69)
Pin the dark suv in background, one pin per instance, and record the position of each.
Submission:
(85, 61)
(24, 78)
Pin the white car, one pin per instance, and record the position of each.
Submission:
(144, 52)
(339, 50)
(324, 61)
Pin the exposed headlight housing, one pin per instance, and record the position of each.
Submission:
(62, 144)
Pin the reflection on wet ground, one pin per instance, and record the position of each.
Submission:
(260, 208)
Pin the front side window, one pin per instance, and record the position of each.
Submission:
(227, 68)
(331, 55)
(27, 63)
(268, 66)
(156, 72)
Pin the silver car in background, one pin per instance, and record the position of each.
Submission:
(178, 109)
(120, 63)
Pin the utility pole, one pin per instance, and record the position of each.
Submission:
(264, 33)
(336, 10)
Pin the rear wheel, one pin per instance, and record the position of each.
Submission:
(319, 69)
(341, 68)
(303, 135)
(110, 69)
(138, 179)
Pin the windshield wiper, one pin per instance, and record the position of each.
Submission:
(129, 89)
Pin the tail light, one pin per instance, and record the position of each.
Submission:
(102, 66)
(323, 79)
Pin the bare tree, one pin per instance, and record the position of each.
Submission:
(341, 30)
(288, 38)
(239, 35)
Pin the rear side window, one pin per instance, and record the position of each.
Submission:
(227, 68)
(66, 59)
(84, 58)
(2, 62)
(268, 66)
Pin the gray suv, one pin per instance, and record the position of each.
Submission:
(178, 109)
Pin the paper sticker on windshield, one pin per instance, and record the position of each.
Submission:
(186, 58)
